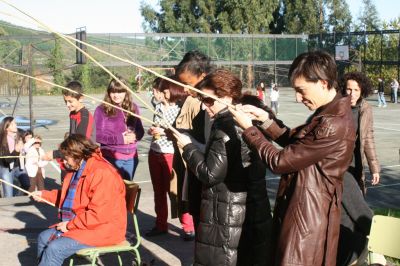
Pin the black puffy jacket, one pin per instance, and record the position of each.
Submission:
(226, 234)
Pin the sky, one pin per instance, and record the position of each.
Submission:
(119, 16)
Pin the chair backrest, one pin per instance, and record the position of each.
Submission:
(384, 237)
(132, 196)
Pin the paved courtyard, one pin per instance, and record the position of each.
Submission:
(21, 219)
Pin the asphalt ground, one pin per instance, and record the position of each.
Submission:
(21, 220)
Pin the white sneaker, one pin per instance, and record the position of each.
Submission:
(385, 106)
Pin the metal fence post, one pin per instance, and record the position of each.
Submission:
(275, 60)
(30, 86)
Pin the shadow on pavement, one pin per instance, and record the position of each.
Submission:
(171, 243)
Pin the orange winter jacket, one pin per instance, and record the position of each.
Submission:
(99, 204)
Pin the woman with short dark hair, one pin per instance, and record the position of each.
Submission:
(162, 151)
(91, 202)
(312, 162)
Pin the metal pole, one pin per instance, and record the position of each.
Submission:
(365, 48)
(380, 66)
(184, 44)
(18, 95)
(30, 85)
(398, 62)
(109, 49)
(136, 49)
(252, 59)
(159, 49)
(208, 45)
(348, 64)
(230, 52)
(275, 60)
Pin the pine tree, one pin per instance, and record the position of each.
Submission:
(311, 16)
(339, 16)
(304, 16)
(56, 65)
(208, 16)
(369, 17)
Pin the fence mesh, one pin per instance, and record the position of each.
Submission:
(255, 58)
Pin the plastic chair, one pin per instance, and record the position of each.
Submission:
(384, 237)
(132, 201)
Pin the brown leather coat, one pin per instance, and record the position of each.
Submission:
(367, 143)
(312, 163)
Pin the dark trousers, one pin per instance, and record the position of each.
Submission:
(37, 181)
(356, 217)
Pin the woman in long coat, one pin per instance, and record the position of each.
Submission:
(312, 162)
(233, 227)
(356, 215)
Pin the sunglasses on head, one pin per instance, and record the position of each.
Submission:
(207, 101)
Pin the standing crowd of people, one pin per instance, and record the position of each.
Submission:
(213, 166)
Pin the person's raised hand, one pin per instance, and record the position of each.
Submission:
(48, 156)
(255, 113)
(157, 131)
(151, 130)
(181, 139)
(241, 118)
(129, 137)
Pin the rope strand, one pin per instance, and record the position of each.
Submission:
(27, 192)
(66, 37)
(78, 48)
(65, 88)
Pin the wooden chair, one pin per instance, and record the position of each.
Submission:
(384, 237)
(132, 201)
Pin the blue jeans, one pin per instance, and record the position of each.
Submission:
(124, 167)
(9, 176)
(381, 99)
(395, 95)
(274, 106)
(56, 251)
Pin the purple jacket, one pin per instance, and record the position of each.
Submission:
(109, 131)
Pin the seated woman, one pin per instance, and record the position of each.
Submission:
(91, 202)
(233, 226)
